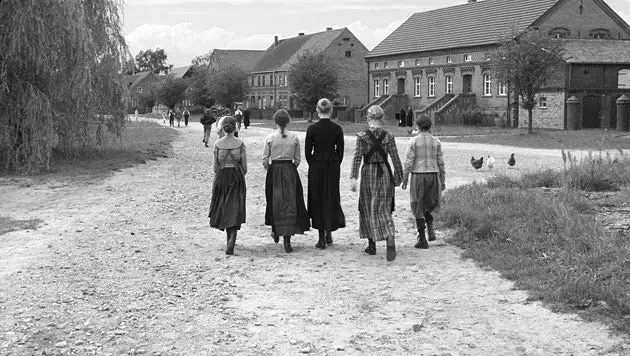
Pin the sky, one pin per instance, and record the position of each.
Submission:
(189, 28)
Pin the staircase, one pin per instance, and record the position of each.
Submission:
(445, 115)
(432, 108)
(390, 104)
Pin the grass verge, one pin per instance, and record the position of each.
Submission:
(550, 242)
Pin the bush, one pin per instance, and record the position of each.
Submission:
(596, 172)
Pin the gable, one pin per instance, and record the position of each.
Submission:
(244, 59)
(585, 21)
(466, 25)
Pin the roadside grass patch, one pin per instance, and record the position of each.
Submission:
(541, 231)
(8, 225)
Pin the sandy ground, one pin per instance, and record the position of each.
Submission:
(128, 265)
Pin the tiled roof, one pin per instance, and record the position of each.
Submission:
(597, 51)
(135, 79)
(179, 72)
(242, 58)
(282, 56)
(470, 24)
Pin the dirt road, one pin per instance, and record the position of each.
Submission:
(128, 265)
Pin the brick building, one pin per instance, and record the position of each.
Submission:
(138, 85)
(438, 61)
(269, 87)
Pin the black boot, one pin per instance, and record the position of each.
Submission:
(231, 242)
(275, 237)
(391, 249)
(422, 241)
(287, 244)
(328, 238)
(430, 230)
(321, 244)
(371, 249)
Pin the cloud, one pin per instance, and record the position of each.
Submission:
(182, 42)
(370, 37)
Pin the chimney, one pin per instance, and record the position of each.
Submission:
(328, 28)
(301, 34)
(275, 41)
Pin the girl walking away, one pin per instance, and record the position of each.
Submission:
(425, 162)
(227, 207)
(286, 212)
(324, 152)
(376, 196)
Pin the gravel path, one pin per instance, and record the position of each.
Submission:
(128, 265)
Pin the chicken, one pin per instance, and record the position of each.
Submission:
(490, 162)
(512, 160)
(477, 163)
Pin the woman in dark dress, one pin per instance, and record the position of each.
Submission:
(286, 212)
(324, 152)
(227, 207)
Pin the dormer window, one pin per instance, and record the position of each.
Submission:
(468, 58)
(401, 63)
(449, 59)
(559, 32)
(385, 65)
(375, 65)
(599, 33)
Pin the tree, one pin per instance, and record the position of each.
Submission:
(202, 60)
(312, 77)
(147, 99)
(199, 89)
(528, 62)
(61, 84)
(228, 85)
(172, 91)
(154, 61)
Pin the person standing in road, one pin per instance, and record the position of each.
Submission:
(324, 146)
(286, 212)
(376, 197)
(238, 115)
(409, 120)
(171, 117)
(425, 162)
(227, 206)
(246, 114)
(186, 115)
(178, 116)
(207, 120)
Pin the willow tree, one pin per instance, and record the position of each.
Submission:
(61, 81)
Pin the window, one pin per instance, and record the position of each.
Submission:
(375, 65)
(416, 86)
(401, 63)
(134, 102)
(431, 60)
(487, 56)
(286, 80)
(487, 85)
(346, 38)
(468, 58)
(263, 79)
(377, 89)
(139, 89)
(271, 79)
(542, 102)
(448, 84)
(431, 86)
(386, 86)
(600, 33)
(559, 32)
(417, 62)
(502, 89)
(252, 81)
(385, 65)
(259, 80)
(449, 59)
(348, 54)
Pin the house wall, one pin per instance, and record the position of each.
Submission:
(149, 83)
(418, 66)
(551, 116)
(581, 23)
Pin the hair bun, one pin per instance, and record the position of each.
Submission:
(324, 106)
(375, 112)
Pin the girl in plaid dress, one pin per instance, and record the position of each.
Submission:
(376, 196)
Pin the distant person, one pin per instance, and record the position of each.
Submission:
(323, 147)
(135, 114)
(207, 120)
(246, 114)
(220, 133)
(402, 117)
(286, 212)
(410, 117)
(186, 116)
(178, 116)
(171, 117)
(425, 162)
(227, 206)
(376, 197)
(238, 115)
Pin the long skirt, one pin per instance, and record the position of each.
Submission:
(324, 200)
(286, 212)
(425, 193)
(227, 207)
(376, 199)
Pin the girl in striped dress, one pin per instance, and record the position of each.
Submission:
(376, 196)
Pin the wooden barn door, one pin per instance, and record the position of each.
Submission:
(590, 116)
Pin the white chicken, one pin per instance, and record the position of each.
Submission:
(490, 162)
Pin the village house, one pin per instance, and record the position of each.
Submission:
(437, 61)
(138, 85)
(269, 86)
(241, 58)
